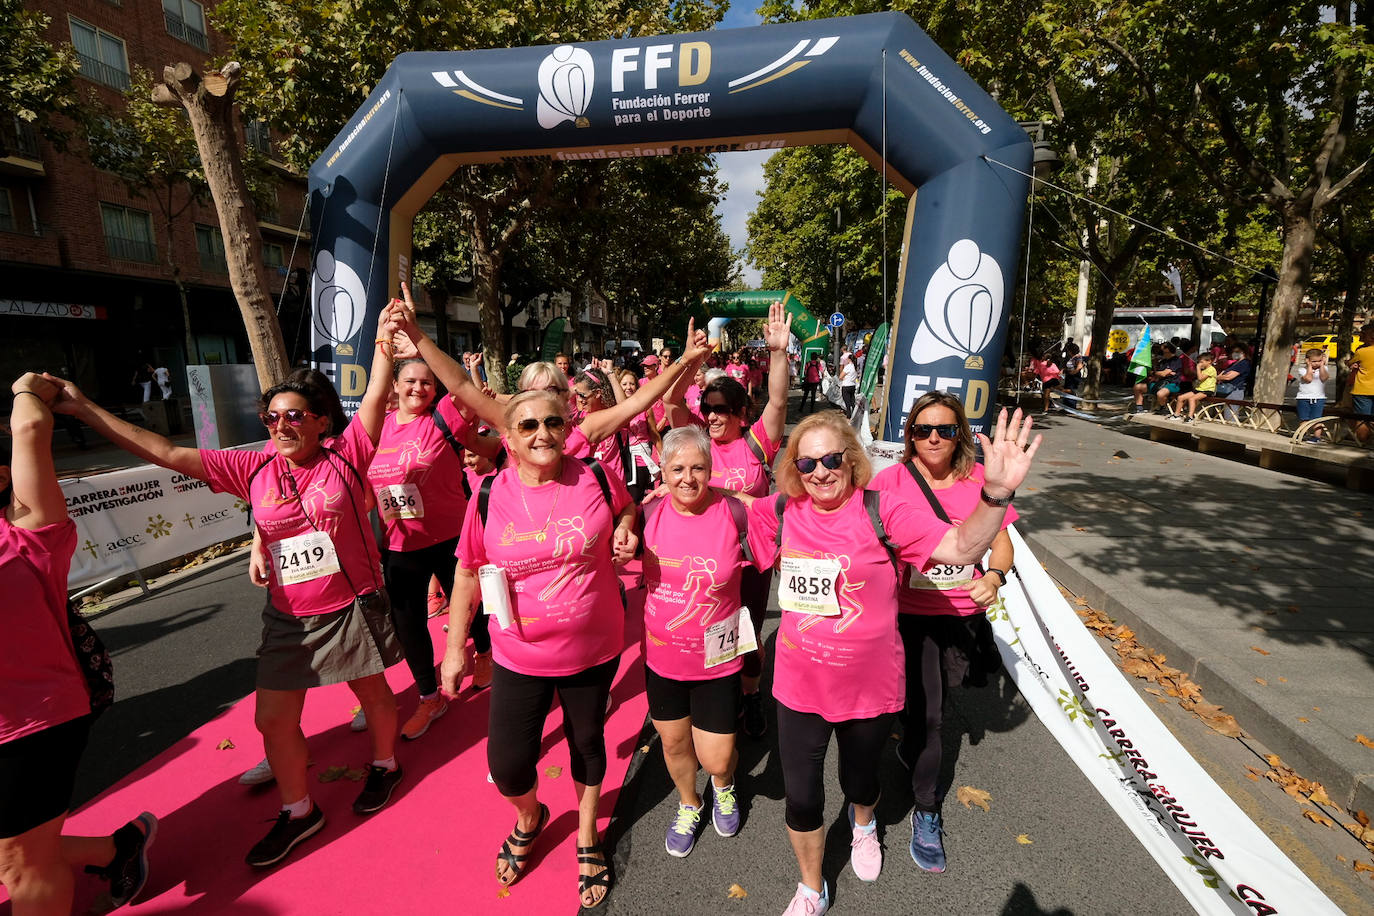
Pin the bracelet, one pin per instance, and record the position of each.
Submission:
(34, 395)
(1003, 502)
(1000, 574)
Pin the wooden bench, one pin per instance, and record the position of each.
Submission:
(1278, 447)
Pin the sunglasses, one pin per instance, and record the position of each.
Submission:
(723, 409)
(553, 424)
(294, 416)
(583, 395)
(943, 430)
(831, 461)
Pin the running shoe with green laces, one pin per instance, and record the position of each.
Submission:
(724, 810)
(682, 833)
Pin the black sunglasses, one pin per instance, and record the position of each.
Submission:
(943, 430)
(553, 424)
(722, 409)
(295, 416)
(831, 461)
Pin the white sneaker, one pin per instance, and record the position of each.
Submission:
(359, 723)
(258, 775)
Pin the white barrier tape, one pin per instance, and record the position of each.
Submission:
(138, 517)
(1215, 855)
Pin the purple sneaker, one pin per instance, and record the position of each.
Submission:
(682, 833)
(724, 809)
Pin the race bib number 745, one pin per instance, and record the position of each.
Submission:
(807, 585)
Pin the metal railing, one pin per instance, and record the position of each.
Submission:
(213, 261)
(123, 249)
(179, 29)
(104, 73)
(18, 138)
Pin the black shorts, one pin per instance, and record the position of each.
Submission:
(37, 773)
(713, 706)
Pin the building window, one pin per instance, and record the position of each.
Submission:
(128, 233)
(257, 136)
(274, 257)
(210, 246)
(186, 21)
(6, 211)
(102, 55)
(269, 208)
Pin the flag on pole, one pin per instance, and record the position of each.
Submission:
(1140, 360)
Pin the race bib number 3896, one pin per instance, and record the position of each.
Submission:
(807, 585)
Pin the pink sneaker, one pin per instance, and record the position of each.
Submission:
(805, 904)
(865, 852)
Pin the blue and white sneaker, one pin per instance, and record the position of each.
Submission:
(681, 838)
(927, 849)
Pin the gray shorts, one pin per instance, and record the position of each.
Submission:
(302, 652)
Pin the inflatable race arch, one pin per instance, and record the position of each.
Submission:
(876, 82)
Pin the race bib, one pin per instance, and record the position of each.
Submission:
(729, 638)
(400, 500)
(807, 585)
(941, 576)
(304, 557)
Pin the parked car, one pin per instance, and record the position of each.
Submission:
(1329, 343)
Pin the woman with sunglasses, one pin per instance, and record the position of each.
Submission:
(45, 701)
(945, 634)
(741, 464)
(549, 526)
(326, 618)
(839, 667)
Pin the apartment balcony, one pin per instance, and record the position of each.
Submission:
(19, 151)
(104, 73)
(178, 29)
(122, 249)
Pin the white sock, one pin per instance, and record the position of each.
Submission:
(867, 828)
(298, 809)
(809, 892)
(387, 764)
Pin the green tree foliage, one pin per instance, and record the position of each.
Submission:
(37, 80)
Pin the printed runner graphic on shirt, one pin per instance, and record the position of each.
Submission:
(572, 543)
(702, 590)
(315, 498)
(851, 608)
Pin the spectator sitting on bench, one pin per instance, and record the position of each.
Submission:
(1232, 378)
(1164, 382)
(1311, 399)
(1362, 380)
(1205, 387)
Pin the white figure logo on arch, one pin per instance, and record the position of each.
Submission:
(963, 306)
(340, 302)
(566, 77)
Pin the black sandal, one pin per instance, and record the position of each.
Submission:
(591, 855)
(514, 861)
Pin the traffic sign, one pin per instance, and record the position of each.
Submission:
(836, 320)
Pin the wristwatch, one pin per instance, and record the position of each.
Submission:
(992, 501)
(1001, 574)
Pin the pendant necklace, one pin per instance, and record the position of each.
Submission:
(541, 534)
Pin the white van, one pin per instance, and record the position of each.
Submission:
(1165, 323)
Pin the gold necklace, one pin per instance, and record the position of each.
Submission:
(540, 535)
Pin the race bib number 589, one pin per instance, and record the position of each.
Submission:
(807, 585)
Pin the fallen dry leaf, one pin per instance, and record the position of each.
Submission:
(1136, 667)
(1164, 700)
(334, 773)
(968, 796)
(1316, 709)
(736, 892)
(1252, 777)
(1317, 818)
(1301, 719)
(225, 745)
(355, 774)
(1262, 682)
(502, 893)
(1362, 818)
(1318, 796)
(1364, 834)
(1259, 650)
(1363, 866)
(1283, 680)
(1023, 839)
(1152, 692)
(553, 772)
(1361, 739)
(1225, 725)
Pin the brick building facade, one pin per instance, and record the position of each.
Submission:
(86, 282)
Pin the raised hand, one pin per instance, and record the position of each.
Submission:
(69, 397)
(697, 344)
(1007, 458)
(778, 333)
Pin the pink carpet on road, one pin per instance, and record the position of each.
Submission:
(432, 849)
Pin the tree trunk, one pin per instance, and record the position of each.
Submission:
(486, 282)
(209, 104)
(1104, 306)
(1299, 240)
(1345, 327)
(191, 352)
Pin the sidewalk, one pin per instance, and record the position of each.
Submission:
(1258, 584)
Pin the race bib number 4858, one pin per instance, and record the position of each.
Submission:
(807, 585)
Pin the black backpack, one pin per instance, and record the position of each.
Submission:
(870, 498)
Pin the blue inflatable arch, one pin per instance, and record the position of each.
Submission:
(875, 82)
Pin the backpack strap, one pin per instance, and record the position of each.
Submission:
(467, 487)
(440, 422)
(601, 478)
(741, 517)
(871, 498)
(357, 478)
(934, 501)
(751, 439)
(484, 498)
(779, 503)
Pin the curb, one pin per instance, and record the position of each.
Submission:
(1343, 781)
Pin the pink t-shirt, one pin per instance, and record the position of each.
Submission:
(848, 666)
(416, 456)
(1044, 369)
(693, 400)
(331, 493)
(557, 557)
(739, 372)
(921, 591)
(735, 467)
(42, 685)
(692, 569)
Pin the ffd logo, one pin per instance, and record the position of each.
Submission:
(566, 76)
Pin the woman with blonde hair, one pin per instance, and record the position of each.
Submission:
(945, 634)
(839, 661)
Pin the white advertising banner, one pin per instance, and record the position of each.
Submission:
(138, 517)
(1216, 856)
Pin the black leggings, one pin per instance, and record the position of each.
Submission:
(755, 588)
(803, 738)
(519, 705)
(808, 391)
(925, 704)
(407, 581)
